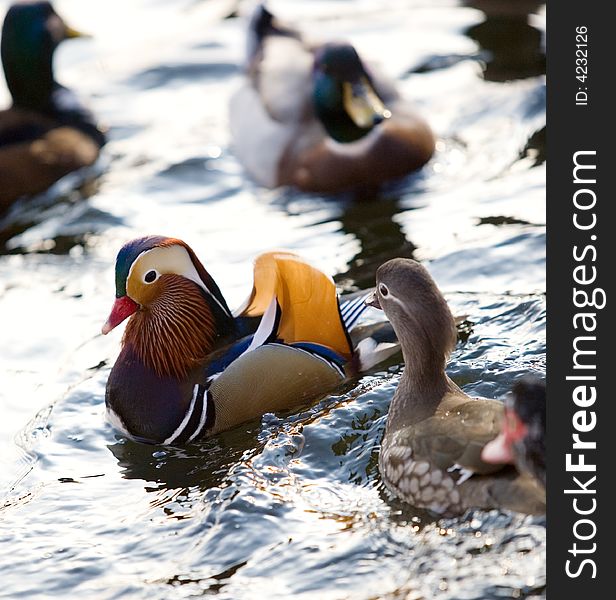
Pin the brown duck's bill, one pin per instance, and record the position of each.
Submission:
(122, 308)
(498, 451)
(373, 300)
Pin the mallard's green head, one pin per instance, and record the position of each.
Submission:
(30, 34)
(344, 97)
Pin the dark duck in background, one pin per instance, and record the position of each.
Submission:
(47, 132)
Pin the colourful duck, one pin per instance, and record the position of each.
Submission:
(189, 368)
(431, 452)
(46, 133)
(315, 117)
(522, 438)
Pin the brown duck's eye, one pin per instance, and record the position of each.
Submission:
(383, 290)
(150, 276)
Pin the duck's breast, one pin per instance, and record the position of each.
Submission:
(268, 112)
(258, 140)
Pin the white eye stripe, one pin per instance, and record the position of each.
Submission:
(174, 259)
(391, 298)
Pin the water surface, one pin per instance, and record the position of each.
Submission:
(290, 505)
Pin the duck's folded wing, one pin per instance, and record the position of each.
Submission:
(298, 302)
(455, 438)
(270, 378)
(28, 168)
(18, 125)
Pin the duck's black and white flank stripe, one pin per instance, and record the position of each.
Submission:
(199, 415)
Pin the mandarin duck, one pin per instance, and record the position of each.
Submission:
(431, 450)
(189, 368)
(46, 133)
(522, 438)
(317, 118)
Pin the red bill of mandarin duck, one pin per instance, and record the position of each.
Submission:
(431, 451)
(328, 123)
(187, 368)
(46, 133)
(522, 438)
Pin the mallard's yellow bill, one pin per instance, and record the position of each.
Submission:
(70, 33)
(307, 299)
(363, 105)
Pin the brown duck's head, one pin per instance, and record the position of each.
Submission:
(408, 295)
(176, 308)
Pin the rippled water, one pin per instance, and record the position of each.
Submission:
(291, 505)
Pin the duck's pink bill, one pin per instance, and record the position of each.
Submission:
(122, 308)
(498, 451)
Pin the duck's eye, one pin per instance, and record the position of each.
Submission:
(150, 276)
(383, 290)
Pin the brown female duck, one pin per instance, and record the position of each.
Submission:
(46, 133)
(431, 451)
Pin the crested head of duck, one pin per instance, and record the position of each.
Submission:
(177, 311)
(522, 438)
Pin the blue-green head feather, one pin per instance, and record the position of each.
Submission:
(30, 34)
(344, 97)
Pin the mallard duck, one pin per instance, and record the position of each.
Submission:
(317, 118)
(522, 438)
(431, 451)
(46, 133)
(189, 367)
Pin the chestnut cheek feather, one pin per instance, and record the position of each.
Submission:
(122, 308)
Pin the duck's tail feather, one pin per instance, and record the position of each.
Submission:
(263, 23)
(374, 344)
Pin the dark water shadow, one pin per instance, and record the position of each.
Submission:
(202, 465)
(511, 48)
(371, 222)
(64, 212)
(182, 73)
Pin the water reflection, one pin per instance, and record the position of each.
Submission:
(57, 219)
(371, 221)
(201, 466)
(511, 47)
